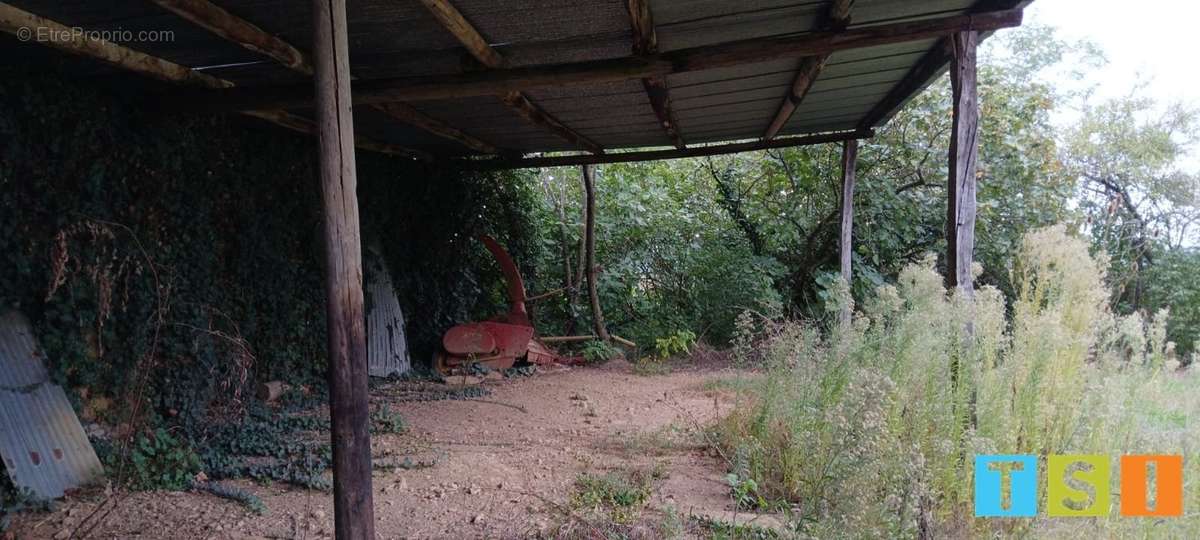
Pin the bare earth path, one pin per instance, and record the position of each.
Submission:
(500, 472)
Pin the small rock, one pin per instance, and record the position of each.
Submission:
(318, 514)
(63, 534)
(473, 490)
(477, 519)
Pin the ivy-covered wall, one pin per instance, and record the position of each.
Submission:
(177, 258)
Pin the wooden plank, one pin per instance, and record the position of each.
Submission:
(534, 114)
(651, 155)
(410, 115)
(846, 242)
(238, 30)
(836, 18)
(501, 82)
(17, 22)
(810, 68)
(353, 507)
(964, 148)
(645, 42)
(466, 33)
(217, 20)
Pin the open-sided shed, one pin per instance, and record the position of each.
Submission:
(506, 84)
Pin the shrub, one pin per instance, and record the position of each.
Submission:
(385, 420)
(620, 494)
(599, 351)
(872, 427)
(161, 461)
(678, 342)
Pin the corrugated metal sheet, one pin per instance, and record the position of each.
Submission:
(387, 348)
(43, 446)
(391, 38)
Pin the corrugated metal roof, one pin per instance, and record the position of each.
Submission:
(43, 446)
(392, 38)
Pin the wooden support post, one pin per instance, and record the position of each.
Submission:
(846, 245)
(353, 507)
(589, 189)
(964, 148)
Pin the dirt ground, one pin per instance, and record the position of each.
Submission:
(505, 466)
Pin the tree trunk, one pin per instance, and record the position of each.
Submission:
(564, 250)
(589, 232)
(353, 509)
(581, 261)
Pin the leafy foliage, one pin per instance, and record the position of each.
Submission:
(385, 420)
(284, 445)
(251, 501)
(599, 351)
(169, 263)
(871, 428)
(158, 460)
(678, 342)
(621, 494)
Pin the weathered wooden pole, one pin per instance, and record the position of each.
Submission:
(964, 149)
(589, 232)
(353, 509)
(846, 244)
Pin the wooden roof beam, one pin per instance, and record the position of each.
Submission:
(645, 42)
(501, 82)
(836, 18)
(535, 115)
(453, 21)
(15, 21)
(675, 153)
(934, 62)
(217, 20)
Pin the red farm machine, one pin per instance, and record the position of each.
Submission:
(502, 341)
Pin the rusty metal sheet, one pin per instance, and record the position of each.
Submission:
(42, 443)
(387, 348)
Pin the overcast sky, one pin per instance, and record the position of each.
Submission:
(1155, 41)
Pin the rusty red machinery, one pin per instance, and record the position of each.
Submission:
(502, 341)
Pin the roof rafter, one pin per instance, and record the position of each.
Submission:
(15, 21)
(500, 82)
(645, 42)
(466, 33)
(934, 62)
(674, 153)
(217, 20)
(836, 18)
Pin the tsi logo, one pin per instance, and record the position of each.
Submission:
(1006, 485)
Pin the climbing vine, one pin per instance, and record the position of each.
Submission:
(168, 262)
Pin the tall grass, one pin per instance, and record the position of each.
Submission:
(869, 430)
